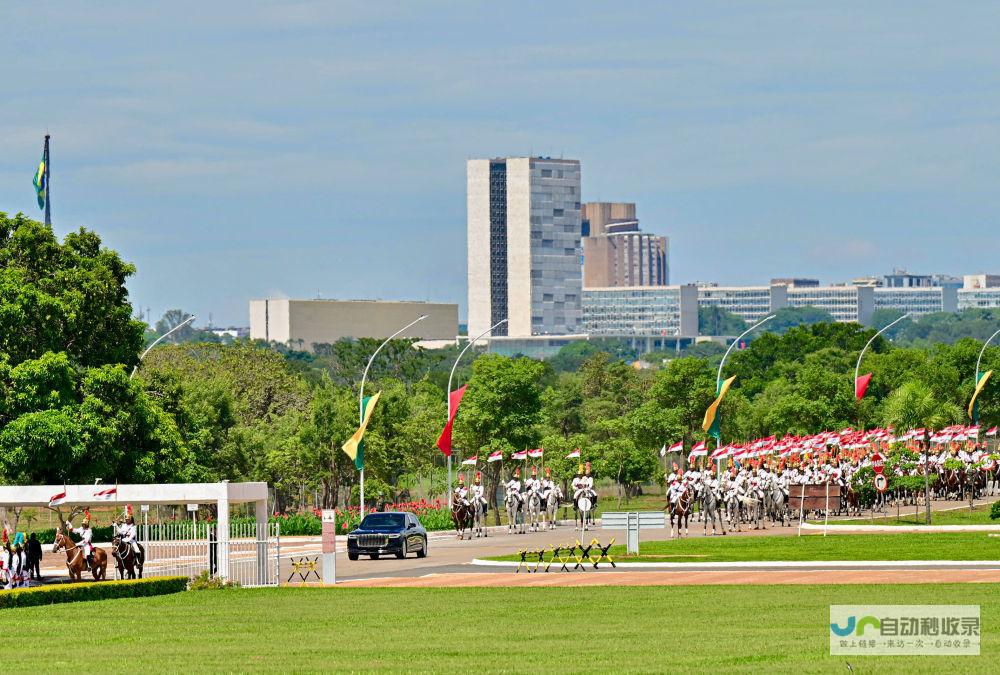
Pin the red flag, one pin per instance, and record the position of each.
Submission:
(444, 440)
(861, 386)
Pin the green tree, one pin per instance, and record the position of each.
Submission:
(914, 406)
(718, 321)
(67, 297)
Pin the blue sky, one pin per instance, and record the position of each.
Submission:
(240, 150)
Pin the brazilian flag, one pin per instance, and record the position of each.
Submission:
(355, 445)
(711, 423)
(981, 380)
(40, 183)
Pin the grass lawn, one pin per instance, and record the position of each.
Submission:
(980, 515)
(930, 546)
(629, 629)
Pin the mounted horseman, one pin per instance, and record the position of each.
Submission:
(461, 509)
(84, 556)
(129, 554)
(584, 496)
(513, 499)
(479, 505)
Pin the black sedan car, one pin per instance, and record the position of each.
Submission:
(394, 532)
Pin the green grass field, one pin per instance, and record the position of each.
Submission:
(980, 515)
(624, 629)
(930, 546)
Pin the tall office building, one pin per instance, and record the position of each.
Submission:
(616, 253)
(524, 245)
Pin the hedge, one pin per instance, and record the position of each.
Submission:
(104, 590)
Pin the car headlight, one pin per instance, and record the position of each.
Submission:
(352, 536)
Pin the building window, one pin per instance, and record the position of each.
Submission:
(546, 173)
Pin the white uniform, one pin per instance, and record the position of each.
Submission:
(86, 535)
(547, 486)
(128, 533)
(478, 494)
(462, 494)
(578, 487)
(513, 488)
(676, 488)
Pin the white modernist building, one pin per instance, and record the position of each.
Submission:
(750, 303)
(641, 311)
(917, 301)
(303, 323)
(524, 251)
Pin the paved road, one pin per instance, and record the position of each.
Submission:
(448, 555)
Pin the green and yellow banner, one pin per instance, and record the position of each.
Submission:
(711, 423)
(355, 445)
(982, 379)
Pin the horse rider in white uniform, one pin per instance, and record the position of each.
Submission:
(461, 492)
(128, 532)
(479, 492)
(513, 486)
(86, 538)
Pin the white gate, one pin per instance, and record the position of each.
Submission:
(249, 556)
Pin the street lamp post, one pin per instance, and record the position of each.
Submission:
(158, 340)
(447, 394)
(857, 368)
(718, 377)
(361, 398)
(980, 360)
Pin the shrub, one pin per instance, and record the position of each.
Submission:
(995, 511)
(104, 590)
(206, 582)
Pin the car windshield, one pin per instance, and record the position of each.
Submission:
(378, 521)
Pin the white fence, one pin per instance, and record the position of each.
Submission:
(249, 556)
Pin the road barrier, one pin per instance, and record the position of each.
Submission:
(303, 567)
(564, 555)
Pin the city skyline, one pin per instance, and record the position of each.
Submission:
(250, 153)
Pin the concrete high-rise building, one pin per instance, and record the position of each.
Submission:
(524, 245)
(616, 253)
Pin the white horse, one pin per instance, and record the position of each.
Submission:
(584, 508)
(552, 508)
(478, 518)
(512, 502)
(534, 509)
(710, 504)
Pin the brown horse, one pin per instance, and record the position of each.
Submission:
(75, 561)
(461, 515)
(681, 510)
(128, 562)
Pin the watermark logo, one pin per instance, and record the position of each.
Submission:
(881, 630)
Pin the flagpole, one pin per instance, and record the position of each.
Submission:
(447, 394)
(361, 401)
(48, 185)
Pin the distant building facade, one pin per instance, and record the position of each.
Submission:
(641, 311)
(300, 324)
(844, 303)
(917, 301)
(974, 281)
(524, 246)
(979, 298)
(616, 253)
(795, 282)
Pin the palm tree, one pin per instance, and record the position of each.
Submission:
(914, 406)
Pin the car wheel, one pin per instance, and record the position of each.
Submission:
(352, 556)
(402, 550)
(374, 556)
(422, 553)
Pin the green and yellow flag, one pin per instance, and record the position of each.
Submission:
(982, 378)
(355, 445)
(711, 423)
(39, 183)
